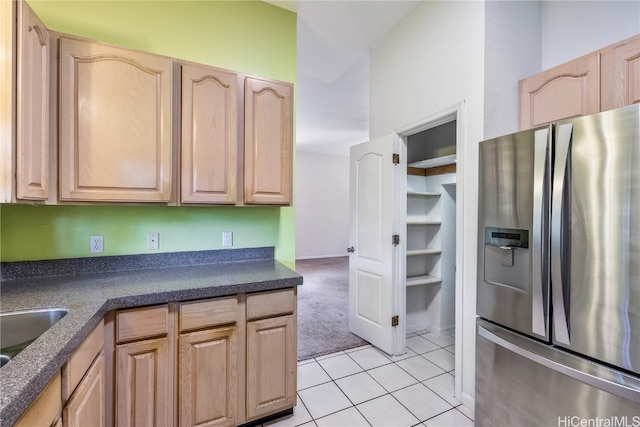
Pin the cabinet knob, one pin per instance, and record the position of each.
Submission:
(351, 249)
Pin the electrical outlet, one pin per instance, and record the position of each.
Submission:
(227, 239)
(153, 241)
(96, 244)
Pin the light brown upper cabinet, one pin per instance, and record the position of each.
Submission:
(621, 74)
(97, 125)
(568, 90)
(602, 80)
(209, 144)
(32, 143)
(115, 123)
(24, 109)
(267, 142)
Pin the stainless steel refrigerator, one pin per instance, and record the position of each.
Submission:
(558, 300)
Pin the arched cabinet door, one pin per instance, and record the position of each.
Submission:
(32, 136)
(115, 123)
(568, 90)
(268, 142)
(209, 142)
(621, 74)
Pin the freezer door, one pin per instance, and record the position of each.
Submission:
(595, 234)
(514, 184)
(521, 382)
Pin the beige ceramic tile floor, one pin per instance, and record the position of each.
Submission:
(365, 387)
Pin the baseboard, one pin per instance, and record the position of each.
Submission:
(271, 417)
(321, 256)
(469, 401)
(430, 328)
(444, 331)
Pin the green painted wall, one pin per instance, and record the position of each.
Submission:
(247, 36)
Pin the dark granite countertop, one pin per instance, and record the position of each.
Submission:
(89, 296)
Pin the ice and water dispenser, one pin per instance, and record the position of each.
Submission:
(506, 257)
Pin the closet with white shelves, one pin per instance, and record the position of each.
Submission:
(423, 234)
(430, 221)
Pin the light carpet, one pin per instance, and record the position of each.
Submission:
(323, 308)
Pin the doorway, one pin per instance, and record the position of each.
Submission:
(431, 228)
(442, 158)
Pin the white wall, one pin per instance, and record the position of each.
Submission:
(322, 205)
(574, 28)
(523, 38)
(431, 61)
(512, 52)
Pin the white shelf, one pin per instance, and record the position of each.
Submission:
(421, 222)
(422, 194)
(429, 251)
(423, 280)
(435, 162)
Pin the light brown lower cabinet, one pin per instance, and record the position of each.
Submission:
(46, 409)
(143, 367)
(143, 397)
(271, 366)
(233, 358)
(87, 405)
(207, 380)
(215, 362)
(75, 397)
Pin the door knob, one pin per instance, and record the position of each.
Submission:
(351, 249)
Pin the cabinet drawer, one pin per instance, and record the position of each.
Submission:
(80, 361)
(268, 304)
(204, 314)
(140, 323)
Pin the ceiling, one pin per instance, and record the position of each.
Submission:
(332, 90)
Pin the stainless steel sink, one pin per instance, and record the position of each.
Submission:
(18, 329)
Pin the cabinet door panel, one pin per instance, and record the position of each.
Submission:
(268, 142)
(568, 90)
(47, 407)
(115, 124)
(627, 73)
(207, 378)
(271, 365)
(87, 405)
(81, 360)
(32, 142)
(143, 383)
(209, 135)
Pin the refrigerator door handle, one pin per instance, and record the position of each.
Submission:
(540, 233)
(605, 380)
(560, 259)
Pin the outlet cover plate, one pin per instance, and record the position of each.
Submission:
(227, 239)
(96, 244)
(153, 241)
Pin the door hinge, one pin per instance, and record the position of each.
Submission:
(395, 320)
(396, 158)
(395, 239)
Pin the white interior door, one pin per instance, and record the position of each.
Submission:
(376, 264)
